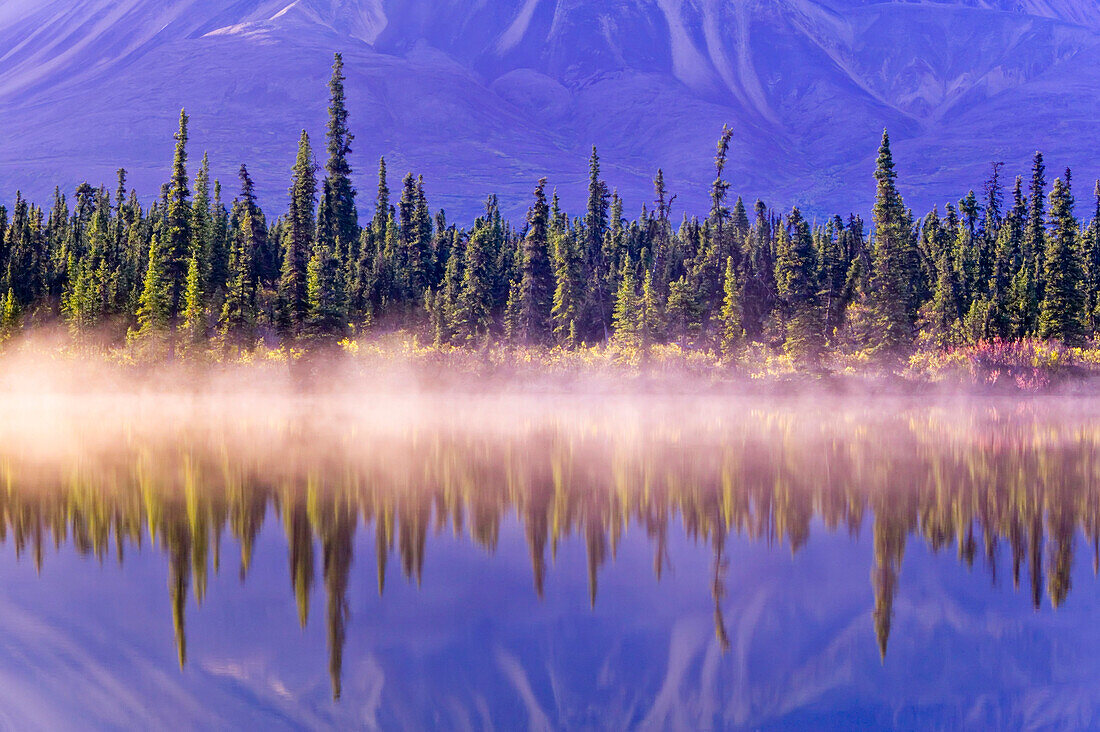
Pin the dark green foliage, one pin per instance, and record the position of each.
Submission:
(327, 317)
(758, 275)
(569, 285)
(893, 264)
(730, 317)
(596, 309)
(298, 241)
(682, 311)
(1063, 304)
(536, 283)
(944, 318)
(720, 188)
(176, 238)
(625, 317)
(238, 317)
(191, 267)
(155, 311)
(473, 309)
(796, 275)
(337, 170)
(1091, 262)
(414, 260)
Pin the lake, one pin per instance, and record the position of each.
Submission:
(411, 561)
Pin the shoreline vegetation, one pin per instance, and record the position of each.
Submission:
(400, 363)
(999, 292)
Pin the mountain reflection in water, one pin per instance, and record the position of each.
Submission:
(1008, 485)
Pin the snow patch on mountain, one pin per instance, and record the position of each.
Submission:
(518, 29)
(489, 95)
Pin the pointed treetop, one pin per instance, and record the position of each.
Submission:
(884, 166)
(723, 149)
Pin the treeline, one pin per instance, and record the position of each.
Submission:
(194, 273)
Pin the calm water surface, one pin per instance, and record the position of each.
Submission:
(525, 562)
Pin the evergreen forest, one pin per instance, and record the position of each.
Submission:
(198, 273)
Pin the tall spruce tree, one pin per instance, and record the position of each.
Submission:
(1030, 285)
(265, 250)
(382, 203)
(946, 307)
(298, 241)
(414, 259)
(238, 315)
(1091, 264)
(475, 302)
(202, 221)
(596, 271)
(649, 319)
(1063, 304)
(193, 324)
(176, 238)
(338, 169)
(730, 318)
(796, 274)
(568, 286)
(625, 315)
(327, 316)
(536, 284)
(721, 188)
(892, 263)
(155, 311)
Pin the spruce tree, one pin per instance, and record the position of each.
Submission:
(682, 310)
(326, 292)
(239, 309)
(265, 254)
(447, 300)
(946, 307)
(892, 263)
(382, 202)
(1029, 286)
(649, 320)
(176, 237)
(1090, 243)
(298, 241)
(625, 316)
(720, 189)
(568, 286)
(155, 309)
(217, 264)
(1060, 316)
(88, 298)
(433, 269)
(796, 276)
(758, 286)
(475, 297)
(9, 316)
(338, 169)
(597, 311)
(202, 221)
(536, 284)
(414, 259)
(730, 318)
(194, 310)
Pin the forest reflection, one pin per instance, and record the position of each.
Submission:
(1007, 485)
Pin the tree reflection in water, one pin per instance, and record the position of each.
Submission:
(978, 476)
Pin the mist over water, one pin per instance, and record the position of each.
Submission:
(372, 554)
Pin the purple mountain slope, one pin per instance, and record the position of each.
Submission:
(486, 97)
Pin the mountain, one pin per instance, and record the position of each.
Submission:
(485, 97)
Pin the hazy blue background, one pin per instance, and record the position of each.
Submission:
(487, 96)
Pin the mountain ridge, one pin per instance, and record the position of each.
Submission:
(485, 98)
